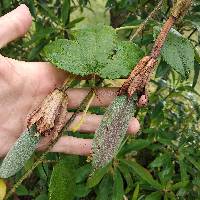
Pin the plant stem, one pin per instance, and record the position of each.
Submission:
(77, 126)
(142, 25)
(126, 28)
(51, 144)
(162, 37)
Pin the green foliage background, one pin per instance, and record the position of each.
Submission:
(162, 162)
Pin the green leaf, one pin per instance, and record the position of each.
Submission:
(105, 188)
(179, 185)
(161, 160)
(171, 195)
(162, 70)
(31, 7)
(22, 191)
(135, 145)
(183, 169)
(42, 197)
(19, 153)
(97, 176)
(82, 190)
(196, 73)
(83, 172)
(74, 22)
(136, 192)
(65, 11)
(112, 130)
(62, 184)
(194, 162)
(127, 176)
(178, 52)
(118, 187)
(143, 173)
(95, 50)
(154, 196)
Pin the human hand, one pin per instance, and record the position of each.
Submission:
(25, 84)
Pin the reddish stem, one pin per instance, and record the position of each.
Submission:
(162, 37)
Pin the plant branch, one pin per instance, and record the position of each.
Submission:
(126, 28)
(140, 75)
(142, 25)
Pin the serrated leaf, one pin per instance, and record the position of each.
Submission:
(2, 189)
(112, 130)
(118, 187)
(178, 52)
(97, 176)
(19, 153)
(154, 196)
(121, 63)
(143, 173)
(95, 50)
(62, 184)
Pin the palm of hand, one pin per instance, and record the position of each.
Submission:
(23, 86)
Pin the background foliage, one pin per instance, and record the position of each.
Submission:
(162, 162)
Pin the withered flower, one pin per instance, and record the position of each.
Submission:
(50, 116)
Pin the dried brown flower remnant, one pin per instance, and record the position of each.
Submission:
(51, 115)
(140, 75)
(180, 8)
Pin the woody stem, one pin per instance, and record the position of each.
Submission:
(162, 37)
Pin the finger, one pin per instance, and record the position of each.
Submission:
(91, 123)
(70, 145)
(46, 76)
(104, 96)
(14, 24)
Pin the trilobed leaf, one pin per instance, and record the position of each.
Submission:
(112, 130)
(19, 153)
(178, 52)
(95, 50)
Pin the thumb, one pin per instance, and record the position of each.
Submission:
(14, 24)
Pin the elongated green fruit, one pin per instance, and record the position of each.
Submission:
(112, 130)
(20, 152)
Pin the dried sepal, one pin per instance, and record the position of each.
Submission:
(50, 116)
(180, 8)
(139, 77)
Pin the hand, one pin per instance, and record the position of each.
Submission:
(25, 84)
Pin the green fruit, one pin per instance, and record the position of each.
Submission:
(112, 130)
(20, 152)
